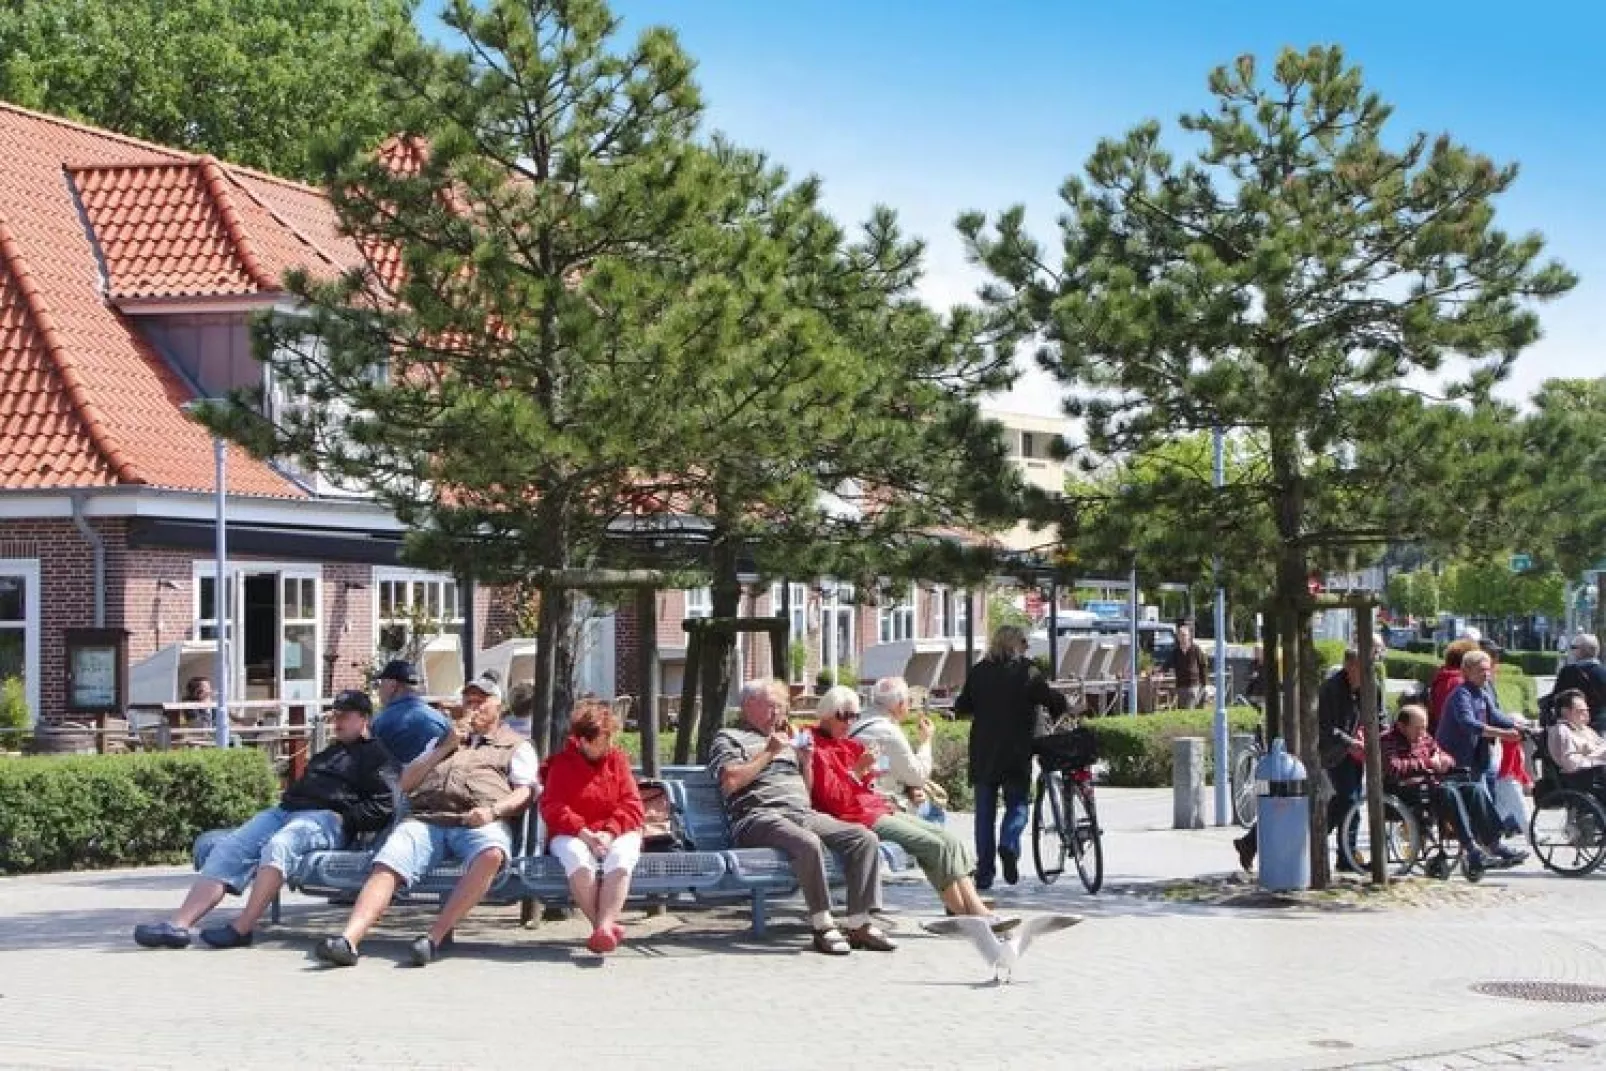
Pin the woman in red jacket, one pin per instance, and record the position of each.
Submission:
(592, 812)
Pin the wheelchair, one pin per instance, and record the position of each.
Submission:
(1567, 830)
(1418, 832)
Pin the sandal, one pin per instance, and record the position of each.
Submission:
(869, 939)
(831, 942)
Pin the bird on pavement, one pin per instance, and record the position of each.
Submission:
(1001, 951)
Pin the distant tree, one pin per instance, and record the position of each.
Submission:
(1565, 495)
(252, 81)
(1294, 281)
(1415, 594)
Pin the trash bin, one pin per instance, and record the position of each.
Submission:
(1283, 814)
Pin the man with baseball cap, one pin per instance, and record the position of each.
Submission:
(349, 788)
(406, 725)
(461, 793)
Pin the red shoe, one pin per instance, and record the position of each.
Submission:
(618, 932)
(602, 942)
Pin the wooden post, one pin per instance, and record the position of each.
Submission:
(780, 650)
(647, 693)
(297, 720)
(688, 695)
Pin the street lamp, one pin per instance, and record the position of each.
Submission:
(1223, 805)
(220, 602)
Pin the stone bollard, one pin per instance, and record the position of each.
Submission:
(1187, 782)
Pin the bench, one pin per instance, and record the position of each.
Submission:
(715, 871)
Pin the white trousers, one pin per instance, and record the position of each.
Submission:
(576, 855)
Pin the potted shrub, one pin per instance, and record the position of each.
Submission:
(798, 659)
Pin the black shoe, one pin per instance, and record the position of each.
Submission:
(1246, 852)
(161, 935)
(337, 952)
(424, 951)
(984, 884)
(1011, 865)
(226, 937)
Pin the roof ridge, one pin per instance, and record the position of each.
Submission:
(33, 302)
(73, 124)
(217, 188)
(277, 216)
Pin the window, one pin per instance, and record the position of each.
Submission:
(1028, 444)
(699, 602)
(897, 618)
(836, 624)
(300, 625)
(939, 611)
(414, 608)
(19, 627)
(961, 613)
(206, 603)
(797, 625)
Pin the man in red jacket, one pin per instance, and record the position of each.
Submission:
(592, 810)
(1414, 763)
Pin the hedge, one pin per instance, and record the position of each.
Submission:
(80, 812)
(1533, 663)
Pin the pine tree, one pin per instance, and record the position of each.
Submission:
(1295, 281)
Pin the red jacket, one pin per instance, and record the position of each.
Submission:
(836, 791)
(580, 794)
(1405, 762)
(1445, 681)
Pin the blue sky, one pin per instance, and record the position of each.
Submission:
(938, 106)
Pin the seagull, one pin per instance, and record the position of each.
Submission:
(1002, 951)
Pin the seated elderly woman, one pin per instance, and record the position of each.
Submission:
(843, 786)
(908, 768)
(592, 809)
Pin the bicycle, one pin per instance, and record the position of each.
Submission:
(1065, 812)
(1242, 777)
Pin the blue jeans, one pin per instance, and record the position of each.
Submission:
(1007, 839)
(274, 837)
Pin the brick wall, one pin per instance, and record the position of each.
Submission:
(349, 643)
(67, 590)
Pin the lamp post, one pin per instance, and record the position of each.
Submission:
(1223, 805)
(220, 601)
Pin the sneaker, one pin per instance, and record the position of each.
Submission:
(226, 937)
(1507, 857)
(983, 884)
(1011, 864)
(161, 935)
(423, 951)
(336, 951)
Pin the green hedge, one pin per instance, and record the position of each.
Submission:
(1137, 748)
(1516, 690)
(80, 812)
(1533, 663)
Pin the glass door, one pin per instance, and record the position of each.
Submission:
(299, 648)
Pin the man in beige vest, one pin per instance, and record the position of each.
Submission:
(461, 792)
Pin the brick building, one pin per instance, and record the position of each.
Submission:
(129, 276)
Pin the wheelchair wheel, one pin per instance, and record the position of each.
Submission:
(1568, 832)
(1401, 834)
(1049, 816)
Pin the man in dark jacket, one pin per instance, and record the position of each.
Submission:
(1338, 713)
(1002, 694)
(349, 788)
(1585, 673)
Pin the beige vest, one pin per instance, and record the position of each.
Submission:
(468, 778)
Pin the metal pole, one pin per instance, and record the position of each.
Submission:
(832, 632)
(1053, 629)
(1132, 628)
(647, 710)
(220, 714)
(1223, 805)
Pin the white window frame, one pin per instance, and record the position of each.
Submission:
(939, 611)
(456, 622)
(798, 625)
(898, 618)
(204, 570)
(32, 626)
(699, 602)
(830, 616)
(961, 612)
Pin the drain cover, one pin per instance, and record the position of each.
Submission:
(1544, 992)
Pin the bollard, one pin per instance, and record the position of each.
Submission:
(1187, 782)
(1282, 808)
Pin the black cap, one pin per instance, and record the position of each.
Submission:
(355, 701)
(401, 670)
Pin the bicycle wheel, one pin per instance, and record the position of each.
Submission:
(1087, 841)
(1568, 833)
(1243, 787)
(1048, 827)
(1401, 834)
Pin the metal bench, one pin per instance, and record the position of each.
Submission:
(714, 870)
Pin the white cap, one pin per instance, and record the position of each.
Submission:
(487, 684)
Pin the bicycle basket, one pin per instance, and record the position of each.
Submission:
(1071, 750)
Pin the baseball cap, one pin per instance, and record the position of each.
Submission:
(401, 670)
(486, 684)
(355, 701)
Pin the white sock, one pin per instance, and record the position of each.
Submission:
(853, 922)
(822, 920)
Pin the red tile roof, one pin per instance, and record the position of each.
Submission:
(88, 218)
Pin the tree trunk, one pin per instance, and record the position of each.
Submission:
(1600, 603)
(1271, 675)
(563, 667)
(549, 627)
(719, 645)
(1310, 739)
